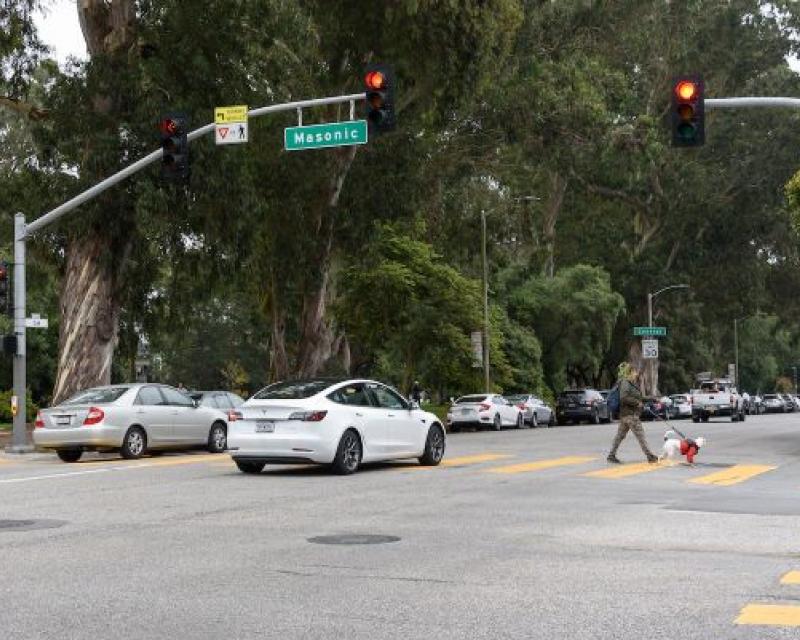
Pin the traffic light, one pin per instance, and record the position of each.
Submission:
(174, 128)
(688, 113)
(4, 289)
(379, 87)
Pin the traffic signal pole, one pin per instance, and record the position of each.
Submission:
(22, 231)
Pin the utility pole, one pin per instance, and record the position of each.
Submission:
(736, 351)
(23, 231)
(486, 379)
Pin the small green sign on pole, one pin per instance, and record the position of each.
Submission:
(650, 331)
(321, 136)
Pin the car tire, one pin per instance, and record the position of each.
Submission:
(497, 423)
(434, 447)
(348, 454)
(69, 455)
(520, 421)
(250, 466)
(704, 418)
(453, 428)
(734, 417)
(134, 444)
(742, 416)
(595, 417)
(534, 420)
(217, 438)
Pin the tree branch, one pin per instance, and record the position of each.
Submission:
(24, 108)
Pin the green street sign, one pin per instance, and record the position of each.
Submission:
(650, 331)
(321, 136)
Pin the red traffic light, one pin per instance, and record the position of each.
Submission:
(686, 90)
(375, 80)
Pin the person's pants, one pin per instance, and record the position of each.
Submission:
(630, 423)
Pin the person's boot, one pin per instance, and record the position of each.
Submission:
(613, 459)
(651, 458)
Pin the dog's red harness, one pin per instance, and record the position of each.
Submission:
(689, 449)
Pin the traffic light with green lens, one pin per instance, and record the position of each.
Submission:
(688, 113)
(174, 129)
(379, 88)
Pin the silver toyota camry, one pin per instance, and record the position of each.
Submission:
(131, 419)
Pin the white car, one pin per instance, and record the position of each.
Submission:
(681, 406)
(337, 422)
(484, 410)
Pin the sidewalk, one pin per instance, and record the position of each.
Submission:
(5, 437)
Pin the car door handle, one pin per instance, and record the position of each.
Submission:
(359, 415)
(391, 415)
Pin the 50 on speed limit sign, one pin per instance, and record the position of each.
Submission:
(650, 349)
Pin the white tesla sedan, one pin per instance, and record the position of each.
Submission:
(337, 422)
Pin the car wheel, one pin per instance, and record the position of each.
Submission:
(134, 444)
(742, 416)
(434, 447)
(69, 455)
(497, 423)
(348, 454)
(453, 428)
(552, 421)
(734, 417)
(595, 417)
(217, 438)
(705, 418)
(534, 420)
(695, 418)
(520, 421)
(250, 466)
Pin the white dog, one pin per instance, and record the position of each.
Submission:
(675, 446)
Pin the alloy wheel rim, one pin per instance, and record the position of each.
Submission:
(437, 445)
(135, 443)
(351, 452)
(219, 438)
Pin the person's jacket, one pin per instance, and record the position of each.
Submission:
(630, 399)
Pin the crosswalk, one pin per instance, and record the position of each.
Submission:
(774, 615)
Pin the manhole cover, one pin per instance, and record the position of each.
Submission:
(29, 525)
(353, 538)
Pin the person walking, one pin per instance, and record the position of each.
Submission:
(630, 409)
(416, 392)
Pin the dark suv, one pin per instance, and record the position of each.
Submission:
(575, 405)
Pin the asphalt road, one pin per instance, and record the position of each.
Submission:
(516, 535)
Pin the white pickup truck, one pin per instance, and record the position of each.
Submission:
(717, 398)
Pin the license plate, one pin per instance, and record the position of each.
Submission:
(711, 409)
(265, 426)
(63, 421)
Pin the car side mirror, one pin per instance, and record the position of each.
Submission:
(413, 405)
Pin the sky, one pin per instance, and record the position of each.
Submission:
(60, 29)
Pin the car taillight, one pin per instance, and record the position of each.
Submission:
(521, 405)
(308, 416)
(733, 400)
(233, 416)
(39, 421)
(484, 407)
(94, 416)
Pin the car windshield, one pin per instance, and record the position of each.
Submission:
(470, 399)
(517, 398)
(293, 390)
(100, 395)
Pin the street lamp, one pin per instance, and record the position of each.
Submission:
(650, 298)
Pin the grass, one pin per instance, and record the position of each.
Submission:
(439, 409)
(5, 426)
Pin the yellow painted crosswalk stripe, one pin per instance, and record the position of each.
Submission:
(770, 614)
(540, 465)
(734, 475)
(793, 577)
(176, 460)
(625, 470)
(475, 459)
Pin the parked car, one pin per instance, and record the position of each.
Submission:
(717, 398)
(605, 393)
(756, 406)
(535, 410)
(484, 410)
(341, 423)
(681, 406)
(653, 409)
(576, 405)
(789, 402)
(774, 403)
(225, 401)
(130, 418)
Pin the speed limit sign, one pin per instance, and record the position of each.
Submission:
(650, 349)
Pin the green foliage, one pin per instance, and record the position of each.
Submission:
(5, 406)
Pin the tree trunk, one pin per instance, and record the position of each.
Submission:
(555, 199)
(89, 318)
(316, 332)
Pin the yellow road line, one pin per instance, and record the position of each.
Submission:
(770, 614)
(476, 459)
(736, 474)
(625, 470)
(176, 460)
(793, 577)
(540, 465)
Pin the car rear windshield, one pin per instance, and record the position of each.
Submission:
(518, 398)
(470, 399)
(770, 396)
(97, 396)
(293, 390)
(575, 395)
